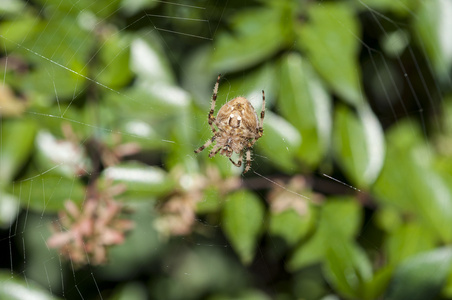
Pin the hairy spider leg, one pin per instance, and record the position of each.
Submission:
(239, 162)
(207, 144)
(211, 116)
(215, 150)
(248, 161)
(261, 121)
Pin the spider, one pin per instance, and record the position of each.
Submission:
(238, 128)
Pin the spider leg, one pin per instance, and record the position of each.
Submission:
(260, 132)
(207, 144)
(211, 116)
(251, 142)
(239, 162)
(261, 121)
(248, 160)
(215, 150)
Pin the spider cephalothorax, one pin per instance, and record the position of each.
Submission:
(238, 128)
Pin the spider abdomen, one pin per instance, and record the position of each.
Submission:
(238, 116)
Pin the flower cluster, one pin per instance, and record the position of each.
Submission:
(84, 235)
(177, 214)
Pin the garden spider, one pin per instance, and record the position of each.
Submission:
(238, 128)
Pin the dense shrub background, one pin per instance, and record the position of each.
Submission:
(350, 192)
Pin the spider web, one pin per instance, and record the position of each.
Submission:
(24, 241)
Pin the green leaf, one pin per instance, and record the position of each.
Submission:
(330, 39)
(400, 8)
(36, 250)
(149, 62)
(280, 142)
(442, 161)
(446, 292)
(291, 226)
(394, 186)
(58, 54)
(446, 117)
(181, 148)
(16, 288)
(243, 219)
(400, 244)
(341, 216)
(253, 39)
(375, 287)
(309, 283)
(243, 295)
(347, 268)
(9, 208)
(114, 55)
(211, 201)
(13, 32)
(48, 192)
(422, 276)
(16, 144)
(340, 219)
(142, 181)
(11, 8)
(70, 158)
(210, 270)
(131, 7)
(306, 105)
(147, 121)
(432, 23)
(201, 86)
(409, 183)
(102, 9)
(143, 241)
(388, 218)
(311, 252)
(137, 131)
(50, 118)
(158, 100)
(130, 290)
(394, 44)
(359, 144)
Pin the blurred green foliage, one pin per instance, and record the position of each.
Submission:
(350, 191)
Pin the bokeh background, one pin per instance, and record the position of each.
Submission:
(103, 102)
